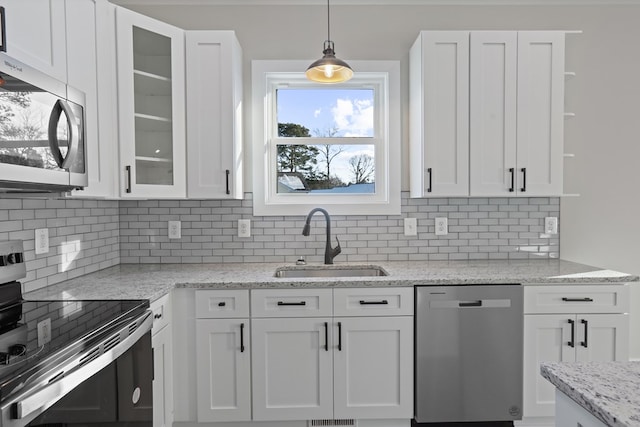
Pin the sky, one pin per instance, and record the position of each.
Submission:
(350, 111)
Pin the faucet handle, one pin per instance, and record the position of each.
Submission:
(336, 251)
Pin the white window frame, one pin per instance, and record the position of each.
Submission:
(384, 78)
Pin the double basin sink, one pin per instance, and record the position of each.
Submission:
(330, 271)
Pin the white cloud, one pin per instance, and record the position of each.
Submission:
(317, 112)
(353, 117)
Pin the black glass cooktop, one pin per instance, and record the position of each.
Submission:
(35, 335)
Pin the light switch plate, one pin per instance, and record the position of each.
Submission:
(410, 226)
(244, 228)
(175, 230)
(42, 241)
(442, 227)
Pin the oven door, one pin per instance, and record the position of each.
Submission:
(112, 385)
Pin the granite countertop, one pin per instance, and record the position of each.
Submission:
(151, 281)
(608, 390)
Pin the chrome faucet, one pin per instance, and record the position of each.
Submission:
(329, 252)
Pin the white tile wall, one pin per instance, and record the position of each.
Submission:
(83, 236)
(479, 228)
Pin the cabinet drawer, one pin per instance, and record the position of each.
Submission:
(576, 299)
(161, 309)
(373, 302)
(217, 304)
(291, 302)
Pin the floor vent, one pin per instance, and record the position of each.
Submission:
(313, 423)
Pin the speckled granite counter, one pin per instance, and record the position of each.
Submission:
(608, 390)
(151, 281)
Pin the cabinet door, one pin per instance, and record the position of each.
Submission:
(161, 342)
(540, 113)
(151, 101)
(292, 369)
(373, 367)
(35, 34)
(439, 99)
(570, 414)
(214, 126)
(602, 337)
(492, 116)
(222, 365)
(546, 339)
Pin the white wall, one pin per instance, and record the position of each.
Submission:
(604, 95)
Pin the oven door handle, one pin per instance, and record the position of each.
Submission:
(32, 403)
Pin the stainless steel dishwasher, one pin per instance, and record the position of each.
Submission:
(468, 357)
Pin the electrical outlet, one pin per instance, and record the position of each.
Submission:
(441, 227)
(175, 230)
(42, 241)
(410, 226)
(44, 332)
(551, 225)
(244, 228)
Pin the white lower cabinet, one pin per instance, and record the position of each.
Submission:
(570, 324)
(570, 414)
(292, 369)
(223, 356)
(161, 342)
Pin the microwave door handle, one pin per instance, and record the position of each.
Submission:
(31, 404)
(74, 134)
(3, 31)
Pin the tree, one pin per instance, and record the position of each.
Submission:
(362, 167)
(296, 158)
(329, 151)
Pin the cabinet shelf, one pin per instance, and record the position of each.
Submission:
(569, 74)
(569, 115)
(568, 155)
(153, 159)
(149, 123)
(151, 84)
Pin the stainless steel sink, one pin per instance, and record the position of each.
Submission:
(331, 271)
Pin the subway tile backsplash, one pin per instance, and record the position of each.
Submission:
(479, 229)
(89, 235)
(83, 236)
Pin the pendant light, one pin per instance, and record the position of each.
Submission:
(329, 69)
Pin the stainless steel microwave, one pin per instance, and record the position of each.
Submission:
(42, 136)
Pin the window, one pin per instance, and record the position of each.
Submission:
(336, 146)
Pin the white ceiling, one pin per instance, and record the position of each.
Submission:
(381, 2)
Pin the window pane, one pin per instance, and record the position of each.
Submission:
(323, 113)
(326, 169)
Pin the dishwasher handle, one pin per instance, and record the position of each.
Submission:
(477, 303)
(463, 304)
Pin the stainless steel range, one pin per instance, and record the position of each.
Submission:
(71, 362)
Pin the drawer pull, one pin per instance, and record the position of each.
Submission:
(382, 302)
(157, 316)
(572, 343)
(292, 303)
(222, 304)
(339, 336)
(586, 299)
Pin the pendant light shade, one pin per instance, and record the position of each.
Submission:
(329, 69)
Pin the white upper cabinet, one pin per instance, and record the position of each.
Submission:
(91, 60)
(439, 114)
(151, 102)
(487, 113)
(516, 113)
(35, 34)
(214, 113)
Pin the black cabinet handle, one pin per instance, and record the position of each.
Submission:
(382, 302)
(228, 173)
(572, 343)
(339, 336)
(3, 31)
(512, 171)
(222, 304)
(292, 303)
(587, 299)
(128, 170)
(430, 172)
(326, 336)
(524, 179)
(241, 337)
(586, 327)
(470, 303)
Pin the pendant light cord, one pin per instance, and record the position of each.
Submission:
(328, 24)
